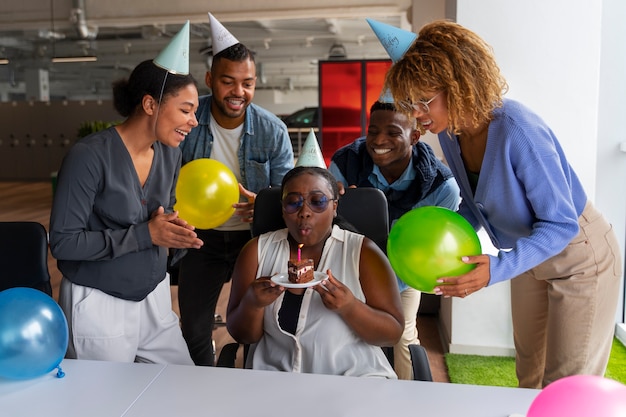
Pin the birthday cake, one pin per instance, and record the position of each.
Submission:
(300, 271)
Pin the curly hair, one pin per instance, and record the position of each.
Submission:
(448, 57)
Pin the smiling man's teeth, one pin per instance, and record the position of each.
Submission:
(182, 132)
(381, 151)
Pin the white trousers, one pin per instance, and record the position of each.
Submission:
(401, 356)
(103, 327)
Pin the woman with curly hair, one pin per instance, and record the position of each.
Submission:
(517, 184)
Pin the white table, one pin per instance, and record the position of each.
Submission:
(89, 389)
(139, 390)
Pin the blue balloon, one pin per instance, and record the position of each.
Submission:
(33, 333)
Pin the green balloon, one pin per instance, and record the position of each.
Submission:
(427, 243)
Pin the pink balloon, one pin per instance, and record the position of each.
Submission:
(580, 396)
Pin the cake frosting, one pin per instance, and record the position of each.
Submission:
(300, 271)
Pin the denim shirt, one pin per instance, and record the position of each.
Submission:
(265, 152)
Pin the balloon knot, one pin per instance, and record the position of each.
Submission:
(60, 373)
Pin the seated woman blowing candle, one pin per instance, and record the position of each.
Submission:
(334, 327)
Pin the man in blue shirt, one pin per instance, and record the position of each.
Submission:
(255, 145)
(391, 158)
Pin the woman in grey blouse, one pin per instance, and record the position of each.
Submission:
(112, 223)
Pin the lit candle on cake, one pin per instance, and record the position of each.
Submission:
(300, 270)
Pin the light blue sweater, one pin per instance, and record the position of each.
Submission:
(528, 198)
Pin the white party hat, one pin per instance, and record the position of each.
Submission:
(221, 38)
(175, 57)
(396, 41)
(311, 154)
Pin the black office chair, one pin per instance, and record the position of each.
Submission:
(228, 355)
(421, 366)
(366, 210)
(363, 208)
(24, 256)
(267, 211)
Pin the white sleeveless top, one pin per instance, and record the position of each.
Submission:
(323, 343)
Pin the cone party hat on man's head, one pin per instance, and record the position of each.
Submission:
(311, 154)
(175, 57)
(385, 96)
(396, 41)
(221, 38)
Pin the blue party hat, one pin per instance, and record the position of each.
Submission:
(175, 57)
(311, 154)
(396, 41)
(385, 96)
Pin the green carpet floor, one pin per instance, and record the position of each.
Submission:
(500, 371)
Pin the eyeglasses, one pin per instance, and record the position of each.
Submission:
(316, 200)
(420, 106)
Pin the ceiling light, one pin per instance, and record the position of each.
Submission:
(50, 35)
(4, 61)
(337, 51)
(65, 59)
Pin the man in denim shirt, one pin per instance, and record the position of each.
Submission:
(255, 145)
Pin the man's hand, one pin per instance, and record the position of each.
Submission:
(245, 210)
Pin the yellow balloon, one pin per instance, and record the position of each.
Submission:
(205, 193)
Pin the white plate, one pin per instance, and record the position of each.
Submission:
(282, 279)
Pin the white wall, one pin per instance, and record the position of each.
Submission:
(611, 195)
(480, 324)
(565, 60)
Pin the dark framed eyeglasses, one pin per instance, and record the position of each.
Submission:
(316, 200)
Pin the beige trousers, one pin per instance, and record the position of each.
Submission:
(564, 309)
(402, 364)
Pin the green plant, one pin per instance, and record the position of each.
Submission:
(87, 128)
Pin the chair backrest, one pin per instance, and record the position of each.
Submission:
(24, 256)
(268, 215)
(421, 366)
(364, 208)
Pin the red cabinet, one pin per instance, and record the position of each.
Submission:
(347, 89)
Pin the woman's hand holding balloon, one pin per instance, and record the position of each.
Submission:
(466, 284)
